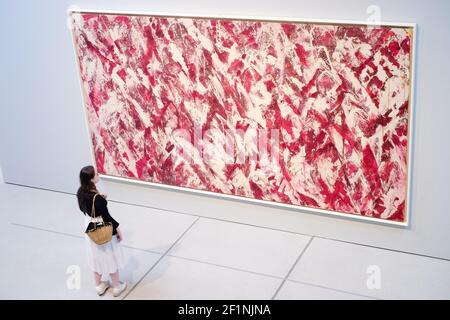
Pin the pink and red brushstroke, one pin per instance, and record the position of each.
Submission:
(337, 94)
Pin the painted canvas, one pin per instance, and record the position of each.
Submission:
(313, 115)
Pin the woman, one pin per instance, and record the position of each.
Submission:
(106, 258)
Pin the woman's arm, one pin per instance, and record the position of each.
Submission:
(101, 206)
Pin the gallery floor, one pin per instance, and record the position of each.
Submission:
(179, 256)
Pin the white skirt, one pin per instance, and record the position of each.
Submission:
(106, 258)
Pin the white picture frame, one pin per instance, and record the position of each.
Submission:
(413, 26)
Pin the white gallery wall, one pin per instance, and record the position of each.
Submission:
(44, 141)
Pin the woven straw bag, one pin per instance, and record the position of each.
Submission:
(102, 231)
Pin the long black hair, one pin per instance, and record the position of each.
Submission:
(86, 186)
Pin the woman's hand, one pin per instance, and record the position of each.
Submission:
(119, 235)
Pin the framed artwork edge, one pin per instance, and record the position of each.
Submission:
(411, 107)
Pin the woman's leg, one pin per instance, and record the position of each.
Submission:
(115, 278)
(98, 278)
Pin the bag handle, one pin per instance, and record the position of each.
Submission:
(93, 206)
(93, 211)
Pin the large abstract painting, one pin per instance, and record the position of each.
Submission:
(310, 115)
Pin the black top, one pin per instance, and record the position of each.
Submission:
(100, 209)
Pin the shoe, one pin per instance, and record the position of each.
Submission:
(117, 291)
(101, 288)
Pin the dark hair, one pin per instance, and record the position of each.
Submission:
(86, 186)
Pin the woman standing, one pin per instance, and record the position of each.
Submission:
(106, 258)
